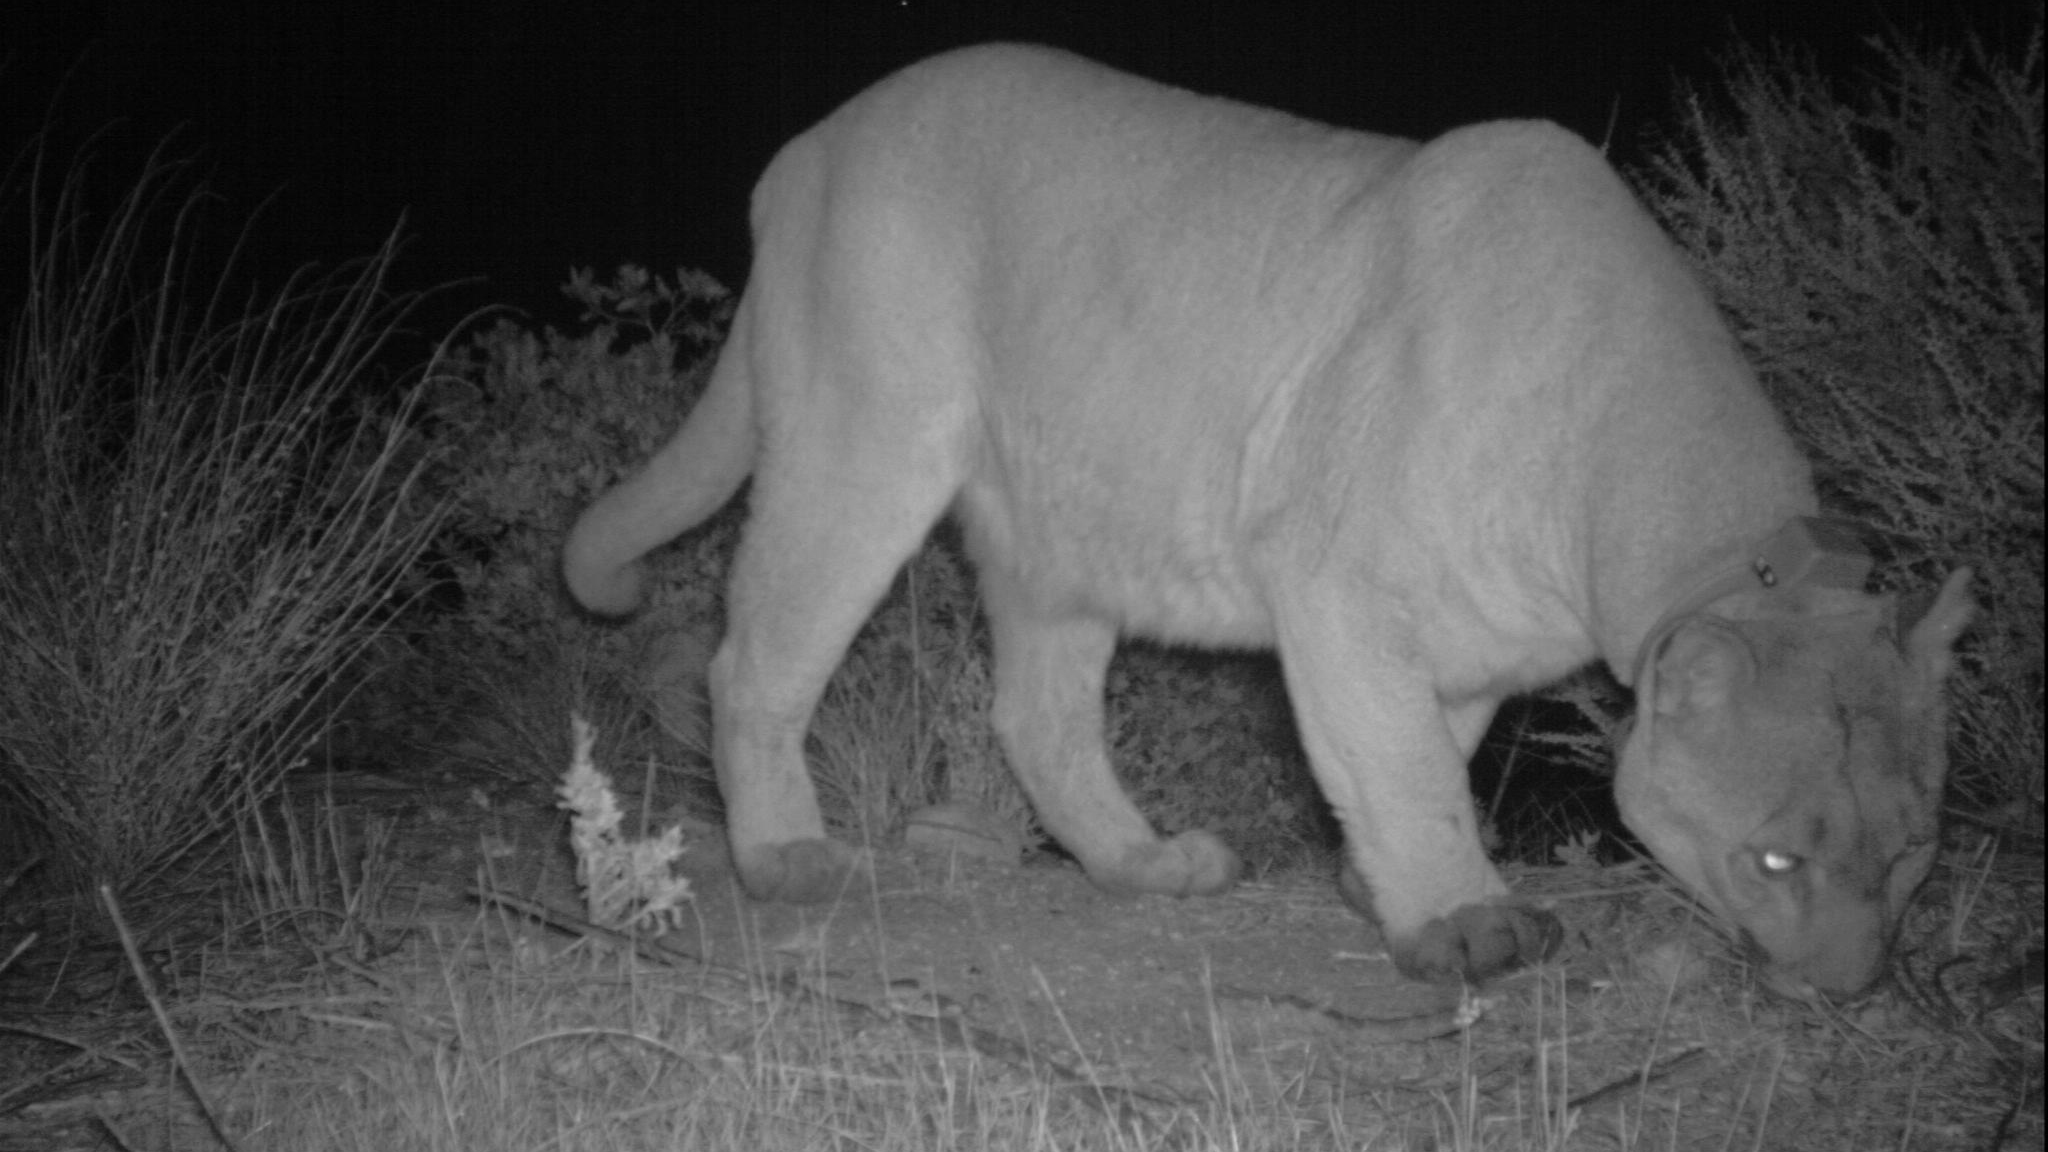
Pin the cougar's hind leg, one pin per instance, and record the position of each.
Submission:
(831, 524)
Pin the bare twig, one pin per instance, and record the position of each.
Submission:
(163, 1019)
(1442, 1021)
(1661, 1070)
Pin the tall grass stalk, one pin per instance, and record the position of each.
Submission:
(203, 524)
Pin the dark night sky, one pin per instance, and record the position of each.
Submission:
(598, 133)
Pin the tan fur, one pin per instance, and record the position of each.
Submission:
(1440, 422)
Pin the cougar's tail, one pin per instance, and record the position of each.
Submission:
(692, 476)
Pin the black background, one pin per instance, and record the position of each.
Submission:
(520, 141)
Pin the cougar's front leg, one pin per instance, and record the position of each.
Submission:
(1049, 715)
(1391, 765)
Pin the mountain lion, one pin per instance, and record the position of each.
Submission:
(1441, 422)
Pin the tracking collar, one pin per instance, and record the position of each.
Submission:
(1807, 551)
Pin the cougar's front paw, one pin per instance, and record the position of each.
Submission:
(1476, 942)
(799, 871)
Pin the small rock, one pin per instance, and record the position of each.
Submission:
(1673, 962)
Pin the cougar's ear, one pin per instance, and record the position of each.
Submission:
(1931, 638)
(1699, 667)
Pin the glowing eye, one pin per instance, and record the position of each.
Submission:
(1779, 863)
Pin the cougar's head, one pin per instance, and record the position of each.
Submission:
(1788, 769)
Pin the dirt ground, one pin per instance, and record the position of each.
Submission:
(1034, 965)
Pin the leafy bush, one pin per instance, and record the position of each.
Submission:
(527, 428)
(1206, 740)
(1880, 257)
(202, 527)
(532, 427)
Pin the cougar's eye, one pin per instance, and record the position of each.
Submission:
(1773, 863)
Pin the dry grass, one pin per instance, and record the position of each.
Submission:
(333, 1012)
(204, 526)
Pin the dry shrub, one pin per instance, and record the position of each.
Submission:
(1879, 253)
